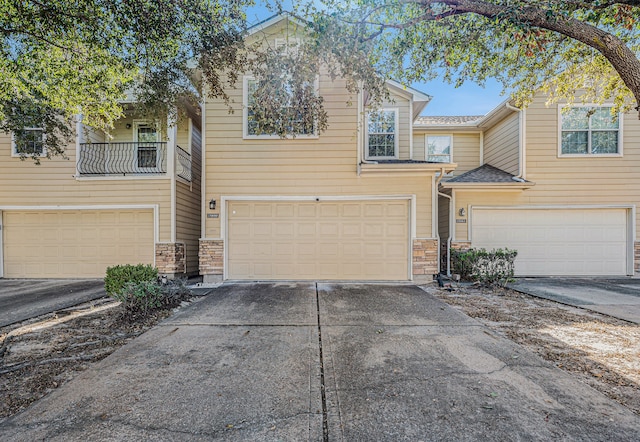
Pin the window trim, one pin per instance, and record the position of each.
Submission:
(245, 116)
(589, 155)
(426, 145)
(136, 125)
(396, 147)
(16, 154)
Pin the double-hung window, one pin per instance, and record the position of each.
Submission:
(438, 148)
(298, 123)
(28, 141)
(589, 130)
(146, 138)
(382, 134)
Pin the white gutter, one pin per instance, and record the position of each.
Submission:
(522, 143)
(437, 183)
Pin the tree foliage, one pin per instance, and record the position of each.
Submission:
(61, 58)
(566, 48)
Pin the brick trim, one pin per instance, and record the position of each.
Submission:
(171, 259)
(425, 257)
(636, 256)
(211, 257)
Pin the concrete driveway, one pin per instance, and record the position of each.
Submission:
(322, 362)
(617, 297)
(22, 299)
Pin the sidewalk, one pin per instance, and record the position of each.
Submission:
(322, 362)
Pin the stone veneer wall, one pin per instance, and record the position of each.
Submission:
(211, 259)
(171, 259)
(636, 260)
(425, 257)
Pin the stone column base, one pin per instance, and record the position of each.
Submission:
(425, 259)
(171, 259)
(636, 260)
(211, 259)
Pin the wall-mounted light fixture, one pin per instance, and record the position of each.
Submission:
(128, 126)
(462, 212)
(212, 204)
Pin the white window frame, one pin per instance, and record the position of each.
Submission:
(426, 147)
(245, 116)
(588, 154)
(136, 125)
(396, 140)
(14, 146)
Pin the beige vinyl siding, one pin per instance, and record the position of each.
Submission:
(182, 134)
(443, 218)
(501, 144)
(52, 183)
(188, 205)
(573, 181)
(466, 149)
(323, 166)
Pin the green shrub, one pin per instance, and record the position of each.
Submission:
(118, 276)
(139, 298)
(494, 267)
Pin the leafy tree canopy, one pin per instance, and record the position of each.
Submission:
(60, 58)
(560, 47)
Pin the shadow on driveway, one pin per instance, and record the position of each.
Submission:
(322, 362)
(22, 299)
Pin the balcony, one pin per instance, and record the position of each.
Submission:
(130, 159)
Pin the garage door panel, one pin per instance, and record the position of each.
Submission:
(556, 241)
(321, 240)
(74, 243)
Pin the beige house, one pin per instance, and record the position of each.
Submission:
(559, 186)
(347, 204)
(383, 192)
(132, 198)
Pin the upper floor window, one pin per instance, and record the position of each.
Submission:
(439, 148)
(146, 137)
(588, 130)
(28, 141)
(296, 123)
(382, 134)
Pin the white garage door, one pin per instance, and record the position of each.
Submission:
(337, 240)
(75, 243)
(583, 242)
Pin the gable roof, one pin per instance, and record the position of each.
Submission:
(487, 175)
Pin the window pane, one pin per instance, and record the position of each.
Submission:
(575, 118)
(382, 127)
(575, 142)
(602, 119)
(439, 158)
(147, 134)
(604, 142)
(29, 141)
(439, 145)
(147, 156)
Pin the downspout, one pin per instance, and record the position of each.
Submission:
(437, 184)
(362, 127)
(522, 143)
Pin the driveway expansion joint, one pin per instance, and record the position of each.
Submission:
(323, 393)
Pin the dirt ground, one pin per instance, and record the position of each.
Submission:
(40, 355)
(601, 351)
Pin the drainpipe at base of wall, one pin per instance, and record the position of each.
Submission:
(437, 183)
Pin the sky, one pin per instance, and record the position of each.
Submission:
(468, 99)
